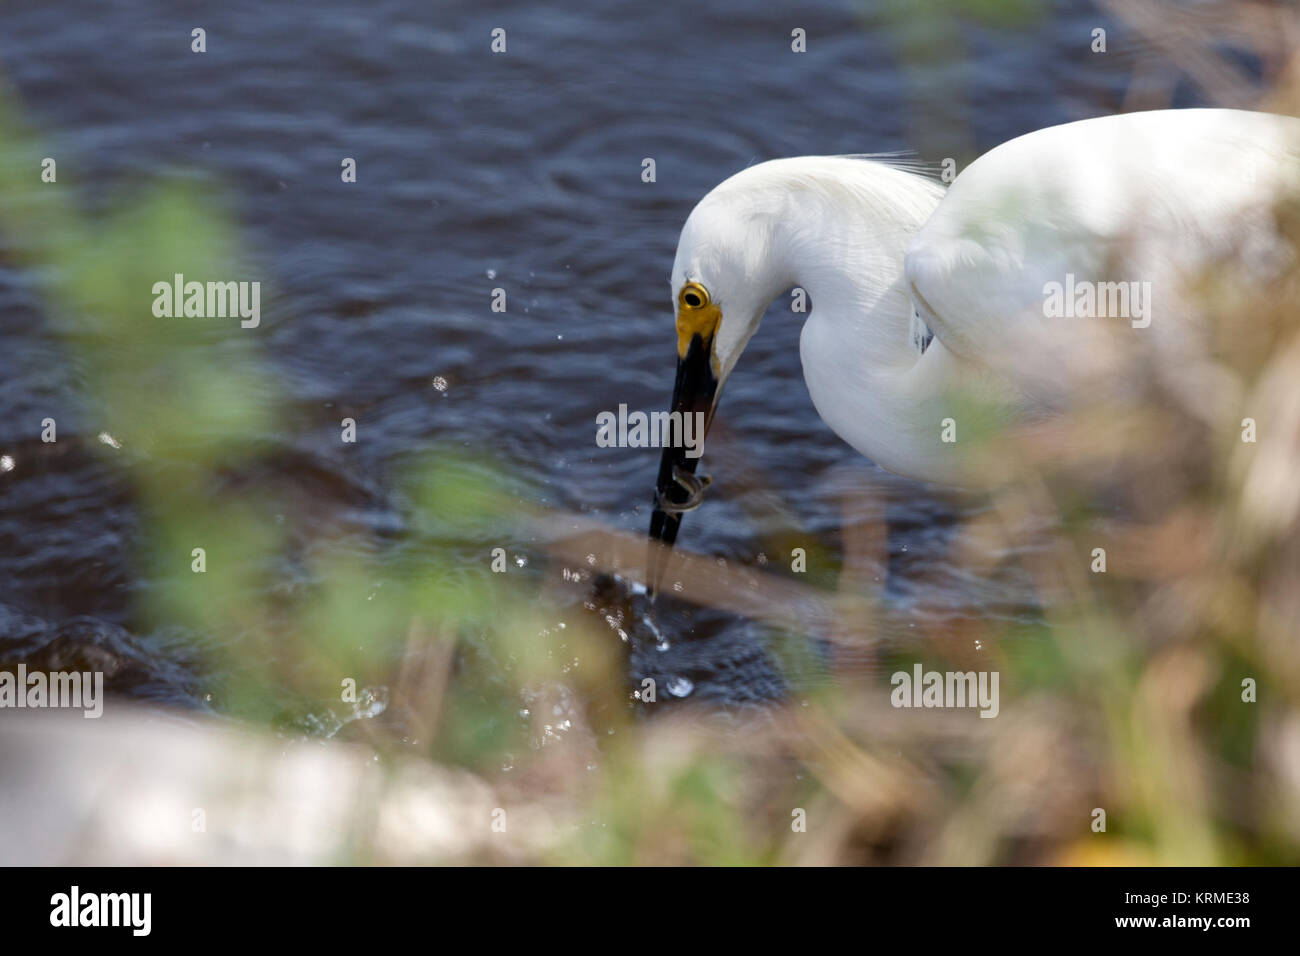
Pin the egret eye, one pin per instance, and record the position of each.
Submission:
(694, 296)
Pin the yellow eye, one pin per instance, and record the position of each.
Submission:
(694, 296)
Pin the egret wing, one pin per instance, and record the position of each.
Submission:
(1039, 241)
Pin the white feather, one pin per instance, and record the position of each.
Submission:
(887, 258)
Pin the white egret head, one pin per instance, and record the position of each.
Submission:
(724, 275)
(838, 225)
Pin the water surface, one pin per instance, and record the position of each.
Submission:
(519, 171)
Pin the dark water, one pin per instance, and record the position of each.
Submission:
(476, 171)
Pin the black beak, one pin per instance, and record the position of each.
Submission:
(678, 490)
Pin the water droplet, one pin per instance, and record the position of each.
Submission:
(373, 702)
(679, 686)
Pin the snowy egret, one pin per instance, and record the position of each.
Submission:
(917, 295)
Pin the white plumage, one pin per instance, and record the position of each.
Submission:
(918, 296)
